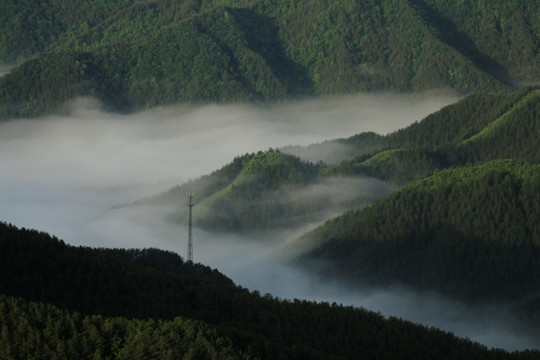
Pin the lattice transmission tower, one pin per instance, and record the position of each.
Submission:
(190, 229)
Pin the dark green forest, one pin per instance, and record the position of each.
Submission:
(470, 232)
(478, 128)
(467, 223)
(33, 330)
(262, 191)
(250, 199)
(60, 301)
(139, 54)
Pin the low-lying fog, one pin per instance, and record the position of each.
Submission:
(62, 174)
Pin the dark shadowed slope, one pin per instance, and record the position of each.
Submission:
(225, 321)
(470, 232)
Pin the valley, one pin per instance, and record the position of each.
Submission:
(77, 202)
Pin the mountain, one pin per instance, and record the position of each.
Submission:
(138, 54)
(60, 301)
(478, 128)
(466, 223)
(469, 232)
(277, 190)
(267, 191)
(121, 273)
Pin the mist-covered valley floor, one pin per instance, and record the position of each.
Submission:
(64, 174)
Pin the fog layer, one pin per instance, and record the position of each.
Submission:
(84, 161)
(63, 173)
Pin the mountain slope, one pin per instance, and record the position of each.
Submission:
(470, 232)
(219, 319)
(267, 191)
(478, 128)
(204, 58)
(498, 20)
(41, 331)
(133, 55)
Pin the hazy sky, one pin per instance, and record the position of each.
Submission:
(62, 174)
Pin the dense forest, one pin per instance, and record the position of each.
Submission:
(137, 54)
(33, 330)
(467, 223)
(60, 301)
(478, 128)
(267, 190)
(469, 232)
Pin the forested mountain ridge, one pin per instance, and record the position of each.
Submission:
(274, 189)
(266, 190)
(469, 232)
(478, 128)
(126, 267)
(238, 205)
(60, 301)
(133, 55)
